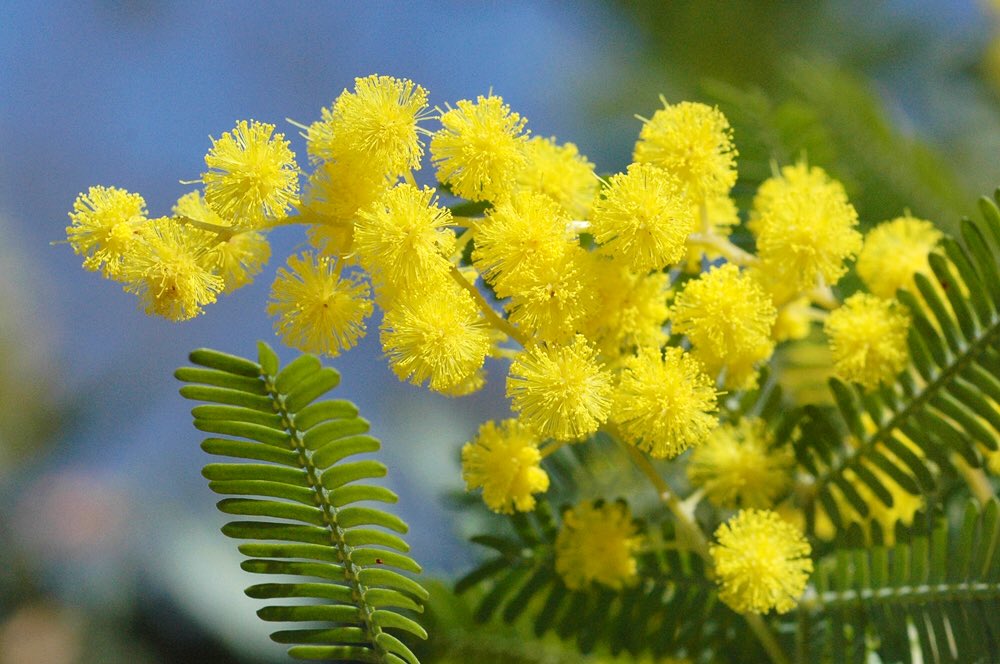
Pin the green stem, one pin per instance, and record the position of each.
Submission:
(492, 316)
(698, 542)
(724, 247)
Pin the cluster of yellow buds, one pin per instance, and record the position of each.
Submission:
(524, 253)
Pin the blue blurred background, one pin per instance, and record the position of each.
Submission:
(108, 534)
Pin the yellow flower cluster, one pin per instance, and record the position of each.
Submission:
(738, 466)
(762, 562)
(619, 305)
(597, 544)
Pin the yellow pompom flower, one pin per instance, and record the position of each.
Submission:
(794, 320)
(805, 226)
(166, 269)
(517, 237)
(761, 562)
(643, 218)
(665, 403)
(480, 149)
(893, 252)
(504, 460)
(336, 192)
(377, 123)
(435, 334)
(402, 239)
(867, 336)
(597, 543)
(252, 175)
(739, 467)
(694, 143)
(629, 309)
(105, 222)
(316, 309)
(554, 300)
(561, 173)
(560, 392)
(238, 258)
(728, 318)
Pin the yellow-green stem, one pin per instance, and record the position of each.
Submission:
(724, 247)
(978, 483)
(699, 543)
(492, 316)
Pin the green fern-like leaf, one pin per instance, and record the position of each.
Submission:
(673, 609)
(303, 495)
(934, 599)
(946, 405)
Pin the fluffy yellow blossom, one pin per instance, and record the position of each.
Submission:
(504, 460)
(893, 252)
(739, 467)
(629, 309)
(166, 269)
(554, 300)
(793, 321)
(665, 402)
(761, 561)
(435, 334)
(597, 543)
(105, 222)
(560, 392)
(694, 142)
(480, 149)
(336, 192)
(805, 226)
(402, 239)
(237, 258)
(868, 339)
(377, 123)
(643, 218)
(561, 173)
(316, 309)
(252, 175)
(517, 237)
(728, 318)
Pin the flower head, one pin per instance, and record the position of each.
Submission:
(435, 334)
(560, 392)
(597, 544)
(738, 467)
(337, 191)
(665, 402)
(167, 269)
(480, 149)
(317, 309)
(694, 143)
(377, 123)
(517, 237)
(643, 218)
(893, 252)
(403, 237)
(762, 562)
(728, 318)
(238, 258)
(804, 226)
(629, 309)
(504, 460)
(868, 339)
(561, 173)
(106, 221)
(555, 299)
(252, 174)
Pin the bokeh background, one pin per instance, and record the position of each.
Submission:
(109, 543)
